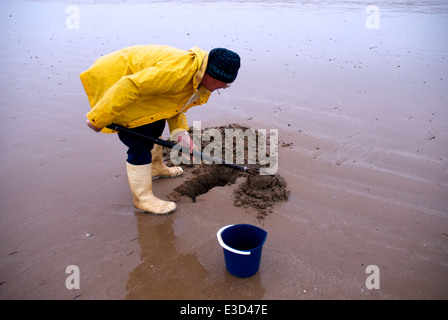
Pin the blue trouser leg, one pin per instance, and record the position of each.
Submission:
(139, 149)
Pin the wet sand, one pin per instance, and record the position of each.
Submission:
(362, 121)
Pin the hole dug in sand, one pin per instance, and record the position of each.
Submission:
(259, 192)
(204, 178)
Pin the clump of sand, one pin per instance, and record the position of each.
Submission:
(261, 192)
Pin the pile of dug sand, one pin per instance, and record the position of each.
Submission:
(259, 192)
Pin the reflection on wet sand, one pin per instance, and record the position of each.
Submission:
(167, 273)
(154, 277)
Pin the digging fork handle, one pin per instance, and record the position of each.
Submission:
(170, 145)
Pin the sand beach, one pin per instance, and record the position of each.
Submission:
(358, 95)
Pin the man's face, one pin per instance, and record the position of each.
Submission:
(212, 84)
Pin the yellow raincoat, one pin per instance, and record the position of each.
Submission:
(143, 84)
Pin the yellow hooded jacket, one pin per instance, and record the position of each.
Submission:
(142, 84)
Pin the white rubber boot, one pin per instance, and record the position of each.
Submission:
(159, 169)
(140, 182)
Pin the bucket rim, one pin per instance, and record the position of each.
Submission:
(221, 242)
(225, 246)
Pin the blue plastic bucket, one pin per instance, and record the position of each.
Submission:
(242, 245)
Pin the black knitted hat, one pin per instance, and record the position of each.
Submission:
(223, 64)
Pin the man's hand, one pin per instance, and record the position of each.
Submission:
(91, 126)
(183, 138)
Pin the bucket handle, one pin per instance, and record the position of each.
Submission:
(221, 242)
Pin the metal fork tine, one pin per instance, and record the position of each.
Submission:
(253, 171)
